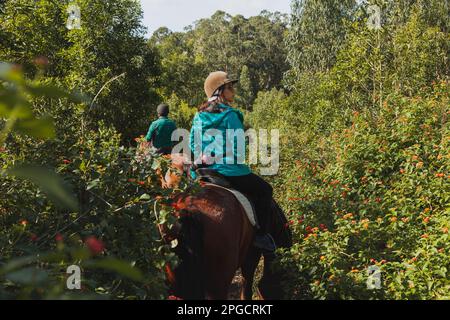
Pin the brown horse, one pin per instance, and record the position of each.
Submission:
(215, 238)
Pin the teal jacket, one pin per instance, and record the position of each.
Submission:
(229, 118)
(161, 132)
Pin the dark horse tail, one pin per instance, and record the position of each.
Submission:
(189, 273)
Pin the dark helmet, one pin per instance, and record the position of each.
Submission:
(163, 110)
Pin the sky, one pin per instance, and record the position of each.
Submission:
(177, 14)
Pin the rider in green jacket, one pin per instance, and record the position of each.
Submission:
(160, 131)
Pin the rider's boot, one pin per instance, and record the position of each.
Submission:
(265, 242)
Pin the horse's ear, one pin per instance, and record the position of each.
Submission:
(161, 179)
(178, 161)
(172, 179)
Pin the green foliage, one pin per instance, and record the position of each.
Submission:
(383, 200)
(223, 42)
(364, 142)
(115, 203)
(181, 112)
(316, 34)
(365, 164)
(87, 58)
(245, 91)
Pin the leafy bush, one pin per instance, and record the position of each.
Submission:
(109, 227)
(383, 201)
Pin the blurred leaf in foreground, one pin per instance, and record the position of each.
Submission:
(49, 182)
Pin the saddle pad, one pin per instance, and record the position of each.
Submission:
(245, 203)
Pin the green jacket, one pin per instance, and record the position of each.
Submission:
(229, 118)
(160, 132)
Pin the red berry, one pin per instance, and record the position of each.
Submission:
(41, 61)
(96, 246)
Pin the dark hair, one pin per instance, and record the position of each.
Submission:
(211, 106)
(163, 109)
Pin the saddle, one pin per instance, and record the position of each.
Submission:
(212, 177)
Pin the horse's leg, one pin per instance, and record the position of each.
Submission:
(221, 262)
(248, 269)
(219, 279)
(270, 284)
(218, 291)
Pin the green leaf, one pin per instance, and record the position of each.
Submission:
(156, 164)
(46, 91)
(10, 73)
(121, 267)
(17, 263)
(93, 184)
(80, 254)
(42, 128)
(82, 166)
(145, 197)
(440, 273)
(52, 91)
(49, 182)
(10, 101)
(28, 276)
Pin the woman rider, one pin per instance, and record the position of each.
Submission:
(218, 114)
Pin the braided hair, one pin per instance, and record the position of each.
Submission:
(212, 104)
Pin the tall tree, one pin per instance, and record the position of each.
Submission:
(32, 29)
(224, 42)
(317, 33)
(109, 43)
(182, 69)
